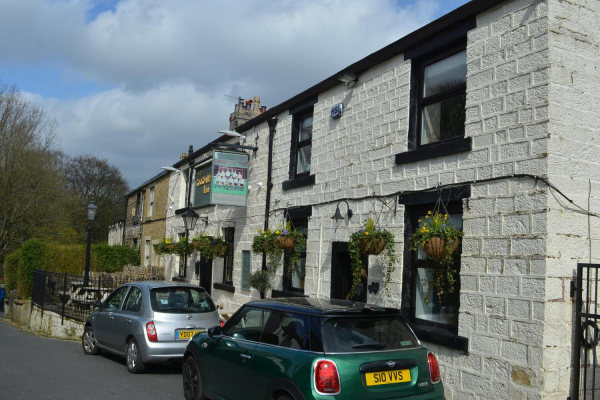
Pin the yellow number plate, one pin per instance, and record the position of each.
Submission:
(186, 334)
(387, 377)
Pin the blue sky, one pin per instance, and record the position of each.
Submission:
(121, 76)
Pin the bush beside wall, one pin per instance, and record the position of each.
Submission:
(113, 258)
(32, 257)
(11, 270)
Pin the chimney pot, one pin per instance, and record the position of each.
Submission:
(263, 109)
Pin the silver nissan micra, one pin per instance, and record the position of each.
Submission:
(149, 322)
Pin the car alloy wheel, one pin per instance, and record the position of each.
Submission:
(192, 380)
(135, 364)
(89, 342)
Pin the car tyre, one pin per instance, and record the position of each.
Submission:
(88, 342)
(193, 383)
(284, 397)
(135, 365)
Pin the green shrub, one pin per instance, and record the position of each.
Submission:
(68, 258)
(113, 258)
(32, 257)
(11, 270)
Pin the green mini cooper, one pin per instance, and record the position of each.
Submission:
(303, 348)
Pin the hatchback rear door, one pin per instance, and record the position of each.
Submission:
(376, 357)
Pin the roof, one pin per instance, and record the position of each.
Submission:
(314, 306)
(161, 284)
(154, 178)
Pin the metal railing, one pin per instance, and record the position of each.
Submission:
(71, 295)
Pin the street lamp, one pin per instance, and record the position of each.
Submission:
(190, 218)
(91, 214)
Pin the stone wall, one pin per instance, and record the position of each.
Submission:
(43, 323)
(154, 227)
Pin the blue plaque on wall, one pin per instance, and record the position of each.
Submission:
(337, 110)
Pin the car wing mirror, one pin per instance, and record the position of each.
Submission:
(215, 333)
(98, 304)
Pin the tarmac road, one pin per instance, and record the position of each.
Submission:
(33, 367)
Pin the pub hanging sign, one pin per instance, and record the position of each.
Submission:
(224, 181)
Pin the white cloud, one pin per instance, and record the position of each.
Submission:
(172, 61)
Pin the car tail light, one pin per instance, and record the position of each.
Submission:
(327, 378)
(222, 323)
(434, 368)
(151, 330)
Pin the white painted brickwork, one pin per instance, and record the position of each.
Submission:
(532, 108)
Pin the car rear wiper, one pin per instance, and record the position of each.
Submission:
(176, 308)
(368, 345)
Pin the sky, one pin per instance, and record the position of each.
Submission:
(139, 81)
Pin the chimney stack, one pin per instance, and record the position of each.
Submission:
(244, 111)
(256, 105)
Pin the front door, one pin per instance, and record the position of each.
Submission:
(206, 274)
(341, 274)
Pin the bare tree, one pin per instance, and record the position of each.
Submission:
(30, 171)
(89, 177)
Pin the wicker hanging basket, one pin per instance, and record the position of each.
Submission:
(436, 247)
(170, 247)
(285, 243)
(372, 246)
(195, 244)
(219, 250)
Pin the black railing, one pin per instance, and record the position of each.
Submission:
(71, 295)
(587, 332)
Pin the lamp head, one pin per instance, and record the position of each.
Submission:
(91, 210)
(338, 214)
(190, 217)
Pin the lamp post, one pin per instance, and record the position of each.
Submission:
(91, 214)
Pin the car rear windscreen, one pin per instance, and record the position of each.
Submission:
(366, 334)
(181, 300)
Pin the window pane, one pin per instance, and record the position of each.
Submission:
(305, 129)
(443, 120)
(445, 74)
(366, 334)
(114, 301)
(134, 300)
(299, 273)
(427, 304)
(304, 159)
(176, 300)
(287, 330)
(248, 324)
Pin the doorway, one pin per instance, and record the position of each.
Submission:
(204, 268)
(341, 274)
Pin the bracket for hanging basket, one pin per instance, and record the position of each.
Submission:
(436, 247)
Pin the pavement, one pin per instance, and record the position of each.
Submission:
(33, 367)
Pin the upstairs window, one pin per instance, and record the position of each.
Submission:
(442, 97)
(151, 202)
(302, 143)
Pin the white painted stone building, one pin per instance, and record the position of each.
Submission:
(527, 75)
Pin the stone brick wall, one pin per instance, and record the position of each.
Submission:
(574, 148)
(154, 227)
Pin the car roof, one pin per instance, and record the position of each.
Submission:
(162, 284)
(324, 307)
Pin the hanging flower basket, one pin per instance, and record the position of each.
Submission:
(436, 247)
(195, 244)
(170, 247)
(372, 245)
(209, 248)
(285, 243)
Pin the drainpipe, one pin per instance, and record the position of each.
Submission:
(272, 124)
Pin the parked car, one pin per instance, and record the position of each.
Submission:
(149, 322)
(303, 348)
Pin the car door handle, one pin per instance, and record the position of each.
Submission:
(111, 318)
(245, 356)
(128, 321)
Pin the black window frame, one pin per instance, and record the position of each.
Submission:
(414, 213)
(298, 145)
(420, 102)
(228, 237)
(287, 276)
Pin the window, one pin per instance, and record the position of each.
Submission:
(151, 202)
(442, 97)
(114, 300)
(147, 254)
(301, 143)
(228, 234)
(287, 330)
(133, 303)
(294, 280)
(182, 266)
(247, 324)
(142, 207)
(427, 307)
(176, 300)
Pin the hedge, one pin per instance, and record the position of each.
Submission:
(35, 253)
(11, 270)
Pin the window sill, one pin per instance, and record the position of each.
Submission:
(227, 287)
(435, 150)
(440, 336)
(299, 182)
(285, 293)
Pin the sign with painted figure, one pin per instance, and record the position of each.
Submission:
(229, 178)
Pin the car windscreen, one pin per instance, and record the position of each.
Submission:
(366, 334)
(181, 300)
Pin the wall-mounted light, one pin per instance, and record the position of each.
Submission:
(338, 214)
(171, 169)
(349, 79)
(234, 134)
